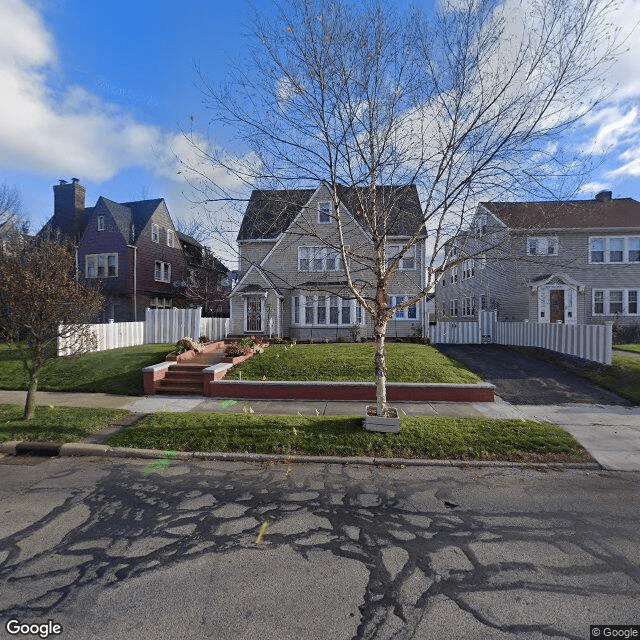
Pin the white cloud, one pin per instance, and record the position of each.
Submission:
(616, 126)
(592, 188)
(65, 130)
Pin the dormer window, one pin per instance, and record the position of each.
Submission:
(324, 212)
(100, 223)
(155, 233)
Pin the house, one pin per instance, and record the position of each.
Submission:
(574, 261)
(292, 280)
(131, 250)
(207, 278)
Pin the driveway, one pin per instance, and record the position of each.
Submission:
(350, 552)
(520, 379)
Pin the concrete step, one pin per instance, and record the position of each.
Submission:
(180, 387)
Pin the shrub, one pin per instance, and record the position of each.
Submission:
(204, 340)
(325, 340)
(186, 344)
(236, 350)
(341, 339)
(312, 341)
(625, 334)
(278, 340)
(354, 332)
(247, 342)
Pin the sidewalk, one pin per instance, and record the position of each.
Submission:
(610, 433)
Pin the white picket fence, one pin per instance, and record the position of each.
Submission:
(161, 326)
(591, 342)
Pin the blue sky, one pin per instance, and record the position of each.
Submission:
(100, 91)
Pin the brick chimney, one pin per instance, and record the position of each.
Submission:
(603, 196)
(68, 207)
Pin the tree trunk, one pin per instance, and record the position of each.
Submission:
(30, 404)
(381, 368)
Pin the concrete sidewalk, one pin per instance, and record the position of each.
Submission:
(610, 433)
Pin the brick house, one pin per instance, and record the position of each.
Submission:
(572, 262)
(131, 250)
(291, 279)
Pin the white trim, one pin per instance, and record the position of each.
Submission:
(607, 300)
(607, 249)
(264, 277)
(570, 303)
(245, 305)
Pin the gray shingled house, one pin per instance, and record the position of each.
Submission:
(292, 280)
(572, 261)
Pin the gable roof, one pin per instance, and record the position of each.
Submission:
(270, 212)
(130, 213)
(568, 214)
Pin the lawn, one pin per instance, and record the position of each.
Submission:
(634, 348)
(117, 371)
(622, 376)
(419, 437)
(406, 362)
(63, 424)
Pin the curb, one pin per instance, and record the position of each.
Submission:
(84, 449)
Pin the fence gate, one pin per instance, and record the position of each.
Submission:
(488, 323)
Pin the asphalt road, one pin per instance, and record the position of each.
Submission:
(520, 379)
(350, 552)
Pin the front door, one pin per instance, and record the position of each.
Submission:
(556, 305)
(254, 313)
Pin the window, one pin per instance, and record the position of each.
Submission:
(481, 225)
(101, 265)
(542, 246)
(467, 307)
(160, 303)
(454, 275)
(320, 310)
(410, 313)
(100, 223)
(483, 302)
(324, 212)
(598, 303)
(162, 271)
(615, 302)
(611, 302)
(453, 307)
(468, 269)
(155, 233)
(170, 238)
(614, 250)
(597, 250)
(408, 261)
(319, 259)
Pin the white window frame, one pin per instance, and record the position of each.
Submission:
(101, 223)
(628, 244)
(453, 307)
(162, 271)
(324, 211)
(170, 238)
(468, 307)
(468, 269)
(481, 225)
(94, 260)
(606, 302)
(300, 303)
(454, 275)
(321, 255)
(408, 260)
(543, 244)
(155, 233)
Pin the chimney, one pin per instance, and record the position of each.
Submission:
(68, 206)
(603, 196)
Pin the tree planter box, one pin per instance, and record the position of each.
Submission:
(386, 424)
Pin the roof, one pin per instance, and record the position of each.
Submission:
(568, 214)
(270, 212)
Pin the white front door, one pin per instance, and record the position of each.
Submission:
(254, 313)
(557, 303)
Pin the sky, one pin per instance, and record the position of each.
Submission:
(102, 91)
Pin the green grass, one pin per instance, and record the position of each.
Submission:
(117, 371)
(63, 424)
(634, 348)
(406, 362)
(622, 376)
(431, 437)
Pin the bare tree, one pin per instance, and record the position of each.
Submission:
(464, 104)
(11, 217)
(41, 302)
